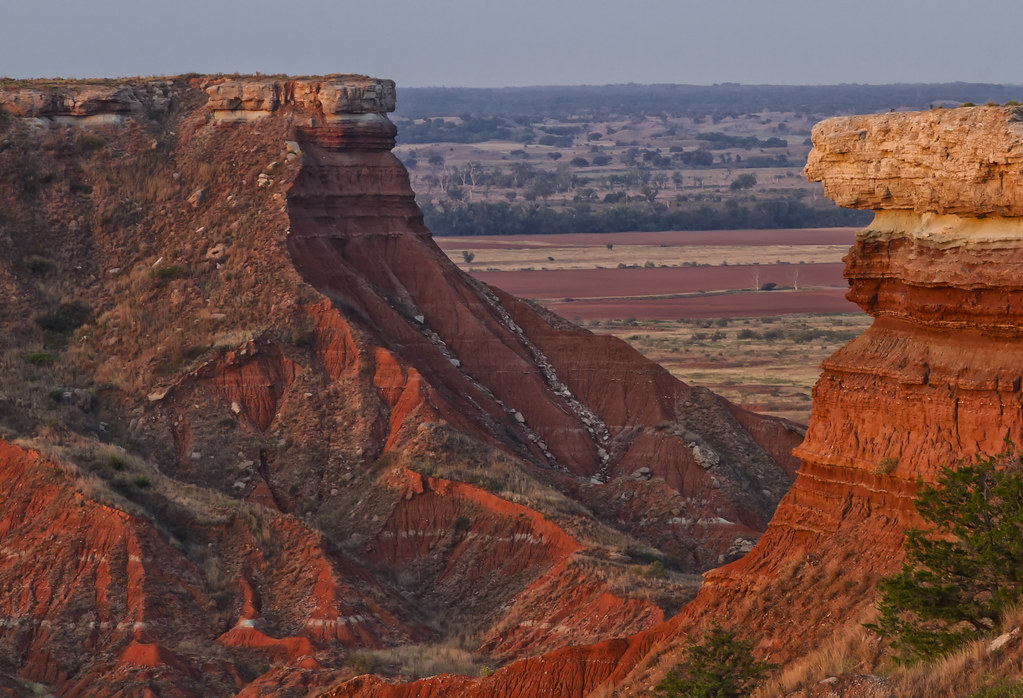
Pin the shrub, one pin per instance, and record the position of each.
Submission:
(40, 358)
(66, 318)
(39, 266)
(169, 273)
(88, 143)
(301, 336)
(361, 663)
(142, 482)
(967, 569)
(743, 181)
(461, 524)
(716, 666)
(885, 466)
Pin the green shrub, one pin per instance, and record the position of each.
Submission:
(142, 482)
(655, 570)
(961, 574)
(461, 524)
(716, 666)
(301, 336)
(40, 358)
(66, 318)
(169, 273)
(361, 663)
(39, 266)
(88, 143)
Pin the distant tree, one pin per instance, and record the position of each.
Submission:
(468, 256)
(554, 155)
(716, 666)
(580, 162)
(746, 180)
(698, 158)
(961, 574)
(436, 160)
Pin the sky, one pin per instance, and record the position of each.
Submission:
(482, 43)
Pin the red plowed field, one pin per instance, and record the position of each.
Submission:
(556, 284)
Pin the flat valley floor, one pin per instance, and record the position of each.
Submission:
(749, 314)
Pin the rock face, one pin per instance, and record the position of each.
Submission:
(936, 378)
(329, 96)
(296, 432)
(946, 161)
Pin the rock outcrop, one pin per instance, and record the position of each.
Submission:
(936, 378)
(273, 408)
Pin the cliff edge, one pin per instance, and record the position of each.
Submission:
(937, 377)
(260, 434)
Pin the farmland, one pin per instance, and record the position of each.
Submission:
(749, 314)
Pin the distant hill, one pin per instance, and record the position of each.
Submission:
(692, 100)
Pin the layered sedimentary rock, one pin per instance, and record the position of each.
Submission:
(936, 378)
(305, 432)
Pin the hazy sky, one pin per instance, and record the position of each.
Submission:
(522, 42)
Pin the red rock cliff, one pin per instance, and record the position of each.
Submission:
(285, 428)
(936, 378)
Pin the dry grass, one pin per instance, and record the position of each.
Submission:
(768, 365)
(421, 661)
(540, 255)
(852, 650)
(974, 670)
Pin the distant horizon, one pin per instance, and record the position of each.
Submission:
(261, 75)
(532, 43)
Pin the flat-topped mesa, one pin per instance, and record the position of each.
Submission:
(329, 110)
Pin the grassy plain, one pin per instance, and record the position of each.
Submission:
(643, 289)
(766, 364)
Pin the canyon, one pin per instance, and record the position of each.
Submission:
(258, 430)
(935, 379)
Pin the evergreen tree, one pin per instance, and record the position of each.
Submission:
(967, 568)
(716, 666)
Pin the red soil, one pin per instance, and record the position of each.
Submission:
(659, 281)
(726, 305)
(787, 236)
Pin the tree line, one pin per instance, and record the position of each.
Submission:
(504, 218)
